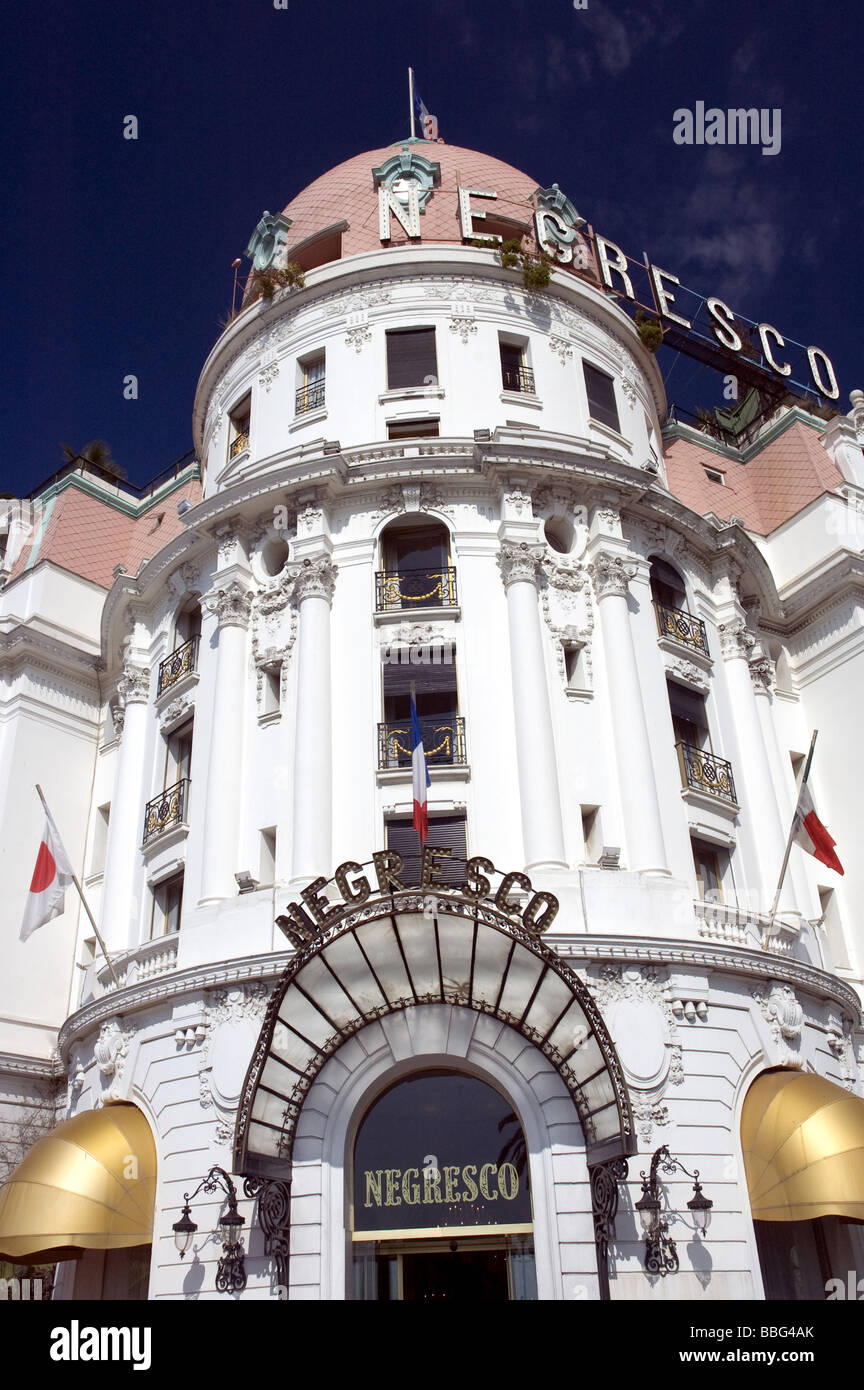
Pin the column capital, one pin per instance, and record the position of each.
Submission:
(611, 573)
(133, 687)
(231, 603)
(315, 578)
(736, 641)
(518, 561)
(762, 674)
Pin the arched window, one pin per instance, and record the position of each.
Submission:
(667, 586)
(415, 566)
(188, 622)
(441, 1198)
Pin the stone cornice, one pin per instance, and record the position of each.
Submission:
(732, 960)
(44, 1068)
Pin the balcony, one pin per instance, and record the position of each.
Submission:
(703, 772)
(518, 379)
(166, 810)
(183, 661)
(681, 626)
(309, 397)
(443, 743)
(239, 444)
(409, 589)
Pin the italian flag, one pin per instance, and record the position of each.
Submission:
(419, 776)
(51, 877)
(809, 832)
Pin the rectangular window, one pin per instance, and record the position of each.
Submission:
(574, 663)
(412, 429)
(833, 928)
(601, 396)
(238, 427)
(411, 358)
(689, 718)
(179, 755)
(267, 858)
(310, 383)
(100, 839)
(592, 834)
(709, 863)
(515, 372)
(271, 693)
(168, 905)
(447, 832)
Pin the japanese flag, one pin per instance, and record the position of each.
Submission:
(809, 832)
(51, 877)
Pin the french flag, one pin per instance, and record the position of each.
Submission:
(51, 877)
(420, 776)
(809, 832)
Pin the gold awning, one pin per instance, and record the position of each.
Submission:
(803, 1143)
(88, 1185)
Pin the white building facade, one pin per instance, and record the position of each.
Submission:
(418, 475)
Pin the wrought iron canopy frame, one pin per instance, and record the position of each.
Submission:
(277, 1087)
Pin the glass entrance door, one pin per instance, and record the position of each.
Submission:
(441, 1197)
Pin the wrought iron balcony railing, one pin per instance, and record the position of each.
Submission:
(415, 588)
(309, 397)
(443, 742)
(239, 443)
(166, 810)
(180, 663)
(682, 627)
(518, 379)
(705, 773)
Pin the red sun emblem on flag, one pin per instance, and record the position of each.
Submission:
(43, 874)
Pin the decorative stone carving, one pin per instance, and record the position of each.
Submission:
(611, 574)
(647, 1114)
(687, 673)
(232, 604)
(185, 1039)
(134, 685)
(463, 327)
(735, 640)
(610, 984)
(762, 673)
(268, 375)
(389, 502)
(629, 388)
(565, 600)
(110, 1051)
(315, 579)
(229, 536)
(232, 1021)
(690, 1009)
(174, 712)
(562, 348)
(838, 1038)
(520, 562)
(780, 1008)
(430, 500)
(358, 336)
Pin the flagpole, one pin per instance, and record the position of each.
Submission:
(411, 100)
(785, 864)
(84, 900)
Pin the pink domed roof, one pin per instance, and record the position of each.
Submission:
(348, 193)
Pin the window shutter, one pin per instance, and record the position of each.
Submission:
(445, 832)
(686, 704)
(601, 396)
(411, 359)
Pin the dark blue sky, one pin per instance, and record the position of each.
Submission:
(118, 253)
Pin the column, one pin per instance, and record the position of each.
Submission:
(119, 915)
(231, 604)
(759, 803)
(539, 796)
(611, 573)
(313, 772)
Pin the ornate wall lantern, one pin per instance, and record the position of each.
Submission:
(231, 1272)
(661, 1254)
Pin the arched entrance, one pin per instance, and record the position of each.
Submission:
(400, 961)
(440, 1194)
